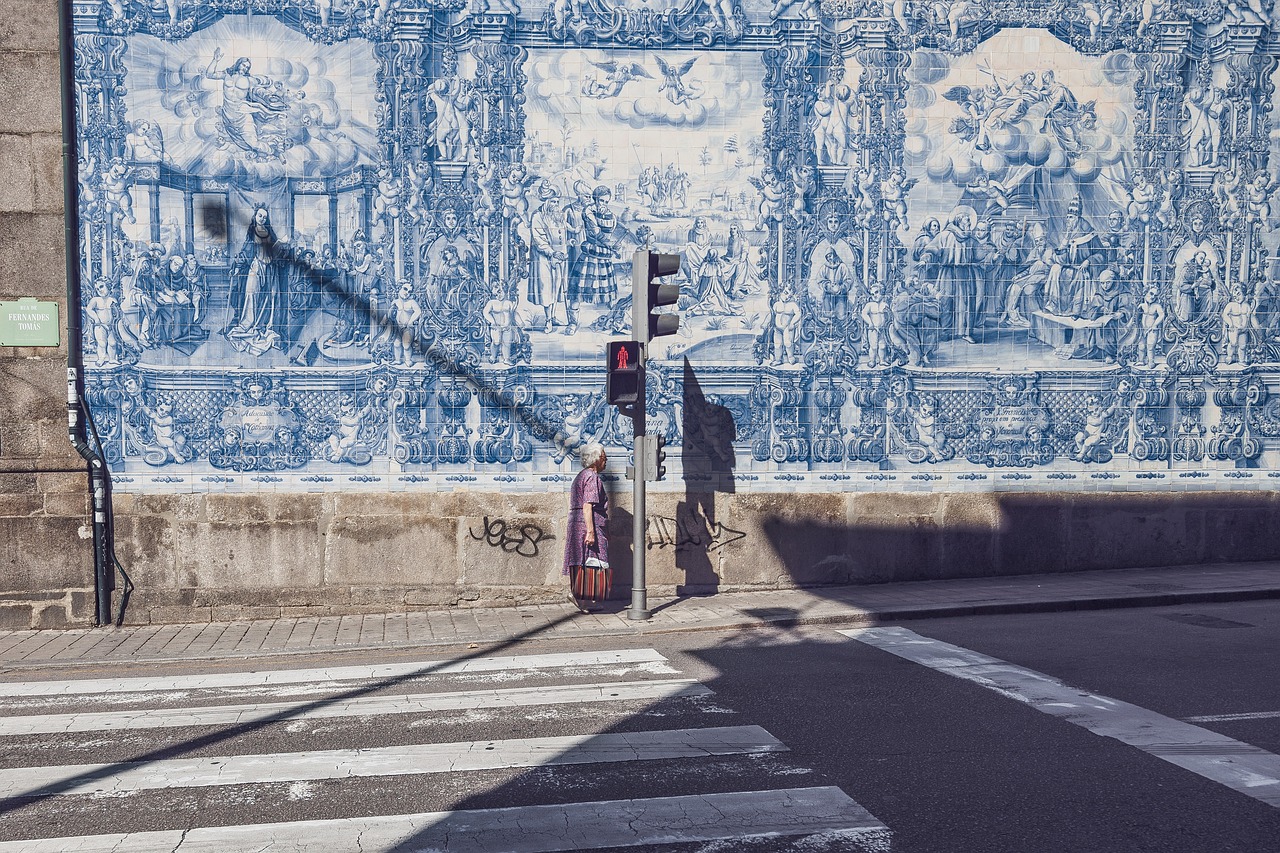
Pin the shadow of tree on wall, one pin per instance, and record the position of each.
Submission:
(320, 286)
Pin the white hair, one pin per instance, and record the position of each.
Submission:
(590, 454)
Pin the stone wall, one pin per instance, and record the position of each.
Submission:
(318, 473)
(198, 557)
(46, 562)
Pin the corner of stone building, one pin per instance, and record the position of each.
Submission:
(46, 563)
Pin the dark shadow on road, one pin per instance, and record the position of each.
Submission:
(745, 662)
(223, 735)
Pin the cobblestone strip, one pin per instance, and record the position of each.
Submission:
(87, 641)
(278, 636)
(396, 628)
(326, 634)
(208, 637)
(54, 644)
(304, 631)
(230, 638)
(373, 629)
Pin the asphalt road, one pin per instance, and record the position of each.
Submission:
(950, 765)
(809, 739)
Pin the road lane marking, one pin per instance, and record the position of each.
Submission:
(410, 759)
(825, 812)
(224, 715)
(1240, 766)
(267, 678)
(1234, 718)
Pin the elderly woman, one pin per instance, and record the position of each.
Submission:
(586, 540)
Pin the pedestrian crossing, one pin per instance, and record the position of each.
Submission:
(602, 750)
(416, 703)
(1242, 767)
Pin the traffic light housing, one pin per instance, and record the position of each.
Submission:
(625, 374)
(654, 455)
(648, 294)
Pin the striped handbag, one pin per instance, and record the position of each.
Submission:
(593, 580)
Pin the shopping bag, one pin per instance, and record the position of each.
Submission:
(593, 580)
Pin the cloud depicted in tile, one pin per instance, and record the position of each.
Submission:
(1002, 129)
(228, 104)
(639, 89)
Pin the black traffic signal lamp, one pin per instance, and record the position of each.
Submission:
(648, 294)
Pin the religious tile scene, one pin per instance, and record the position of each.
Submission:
(961, 244)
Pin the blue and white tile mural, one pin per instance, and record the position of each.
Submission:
(925, 245)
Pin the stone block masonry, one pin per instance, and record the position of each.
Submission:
(963, 294)
(46, 562)
(199, 557)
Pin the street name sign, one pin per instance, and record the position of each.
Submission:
(29, 323)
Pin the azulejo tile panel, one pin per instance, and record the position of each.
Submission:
(381, 244)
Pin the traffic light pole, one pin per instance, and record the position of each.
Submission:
(639, 594)
(639, 314)
(646, 295)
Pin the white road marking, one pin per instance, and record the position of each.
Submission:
(222, 715)
(528, 829)
(1235, 764)
(404, 760)
(1235, 718)
(334, 673)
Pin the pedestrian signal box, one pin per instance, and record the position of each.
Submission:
(622, 387)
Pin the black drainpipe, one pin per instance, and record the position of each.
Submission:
(79, 422)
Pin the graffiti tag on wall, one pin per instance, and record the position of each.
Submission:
(522, 540)
(663, 532)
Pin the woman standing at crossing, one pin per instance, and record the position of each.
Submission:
(586, 540)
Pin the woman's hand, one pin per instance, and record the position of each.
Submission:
(590, 537)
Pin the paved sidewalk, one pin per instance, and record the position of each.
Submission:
(847, 605)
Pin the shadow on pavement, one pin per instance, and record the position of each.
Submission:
(224, 735)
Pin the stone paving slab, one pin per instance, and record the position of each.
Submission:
(848, 605)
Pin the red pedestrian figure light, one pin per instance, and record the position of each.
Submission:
(622, 360)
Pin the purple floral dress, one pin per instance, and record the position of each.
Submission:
(587, 488)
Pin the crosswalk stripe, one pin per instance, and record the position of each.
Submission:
(1235, 764)
(1235, 718)
(410, 759)
(374, 672)
(367, 706)
(530, 829)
